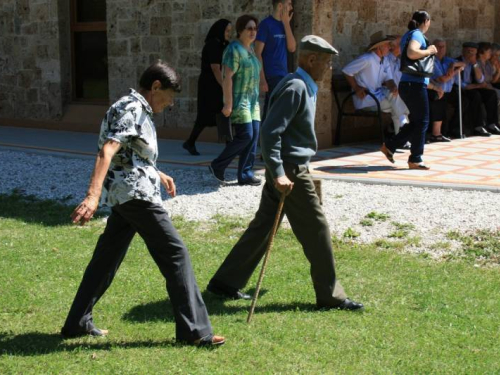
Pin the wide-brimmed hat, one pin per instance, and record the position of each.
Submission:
(379, 38)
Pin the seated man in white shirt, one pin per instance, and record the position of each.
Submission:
(371, 72)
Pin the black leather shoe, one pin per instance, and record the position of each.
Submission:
(482, 132)
(190, 148)
(347, 305)
(227, 293)
(493, 129)
(253, 181)
(219, 176)
(91, 330)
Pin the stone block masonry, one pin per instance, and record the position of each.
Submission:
(174, 31)
(35, 64)
(30, 60)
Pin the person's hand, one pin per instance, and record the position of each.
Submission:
(482, 85)
(360, 92)
(286, 15)
(439, 91)
(226, 111)
(393, 90)
(283, 184)
(85, 210)
(168, 184)
(263, 86)
(432, 49)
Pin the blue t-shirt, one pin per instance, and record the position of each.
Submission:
(418, 36)
(274, 56)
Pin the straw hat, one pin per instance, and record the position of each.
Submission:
(379, 38)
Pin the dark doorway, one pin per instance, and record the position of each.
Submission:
(89, 51)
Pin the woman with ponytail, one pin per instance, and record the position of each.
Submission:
(413, 91)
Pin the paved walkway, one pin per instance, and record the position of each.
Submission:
(472, 163)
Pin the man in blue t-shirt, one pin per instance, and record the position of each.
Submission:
(274, 40)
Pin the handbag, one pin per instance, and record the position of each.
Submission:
(224, 128)
(423, 67)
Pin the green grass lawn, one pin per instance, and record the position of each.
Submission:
(421, 316)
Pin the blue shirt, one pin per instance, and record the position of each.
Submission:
(468, 75)
(274, 56)
(440, 69)
(311, 85)
(418, 36)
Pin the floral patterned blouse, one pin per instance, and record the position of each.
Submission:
(132, 173)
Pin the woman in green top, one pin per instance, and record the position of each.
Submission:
(241, 71)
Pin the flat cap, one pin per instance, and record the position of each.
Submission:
(316, 44)
(470, 45)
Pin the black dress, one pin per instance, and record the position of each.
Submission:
(210, 99)
(209, 90)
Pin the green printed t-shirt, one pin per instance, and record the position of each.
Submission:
(246, 67)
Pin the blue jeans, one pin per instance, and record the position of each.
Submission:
(415, 97)
(244, 145)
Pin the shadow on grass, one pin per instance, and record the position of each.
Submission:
(33, 210)
(162, 310)
(37, 343)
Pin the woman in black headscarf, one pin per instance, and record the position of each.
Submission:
(210, 81)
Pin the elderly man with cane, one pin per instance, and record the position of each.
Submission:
(288, 142)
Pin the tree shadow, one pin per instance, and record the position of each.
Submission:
(30, 209)
(216, 306)
(39, 343)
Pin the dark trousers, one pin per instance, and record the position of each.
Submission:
(152, 223)
(415, 97)
(471, 112)
(472, 101)
(309, 225)
(272, 82)
(489, 99)
(244, 145)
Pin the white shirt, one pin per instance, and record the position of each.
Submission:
(370, 72)
(395, 63)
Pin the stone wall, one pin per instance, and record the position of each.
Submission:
(35, 74)
(30, 68)
(141, 31)
(454, 20)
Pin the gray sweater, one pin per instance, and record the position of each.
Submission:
(288, 131)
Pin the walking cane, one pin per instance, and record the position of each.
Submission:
(460, 103)
(266, 256)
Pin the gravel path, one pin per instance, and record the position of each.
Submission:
(432, 212)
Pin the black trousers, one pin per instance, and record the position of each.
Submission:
(309, 225)
(472, 109)
(472, 115)
(152, 223)
(490, 100)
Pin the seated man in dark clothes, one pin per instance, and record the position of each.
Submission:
(476, 92)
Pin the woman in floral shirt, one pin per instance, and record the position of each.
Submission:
(126, 178)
